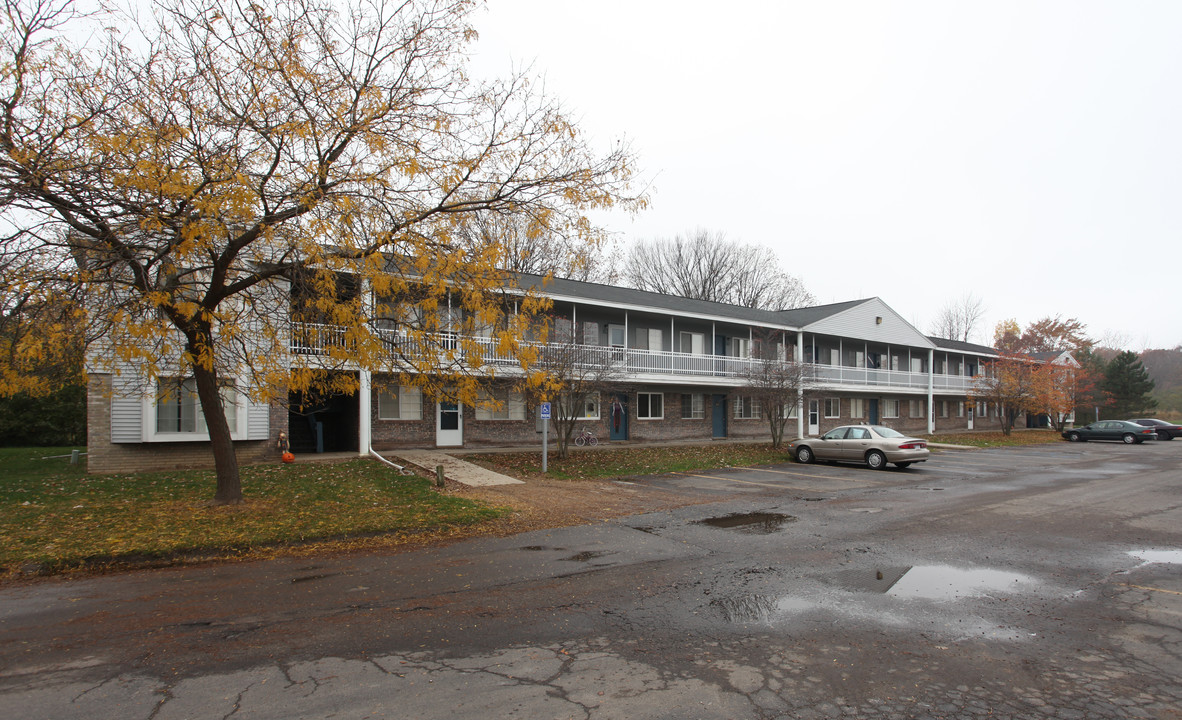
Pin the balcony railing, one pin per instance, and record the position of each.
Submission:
(314, 339)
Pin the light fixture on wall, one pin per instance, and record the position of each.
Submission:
(878, 320)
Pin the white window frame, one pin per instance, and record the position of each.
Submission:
(509, 405)
(612, 329)
(407, 400)
(232, 398)
(943, 408)
(832, 407)
(590, 406)
(915, 408)
(647, 406)
(857, 408)
(696, 406)
(890, 408)
(747, 408)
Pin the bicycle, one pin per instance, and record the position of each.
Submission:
(586, 437)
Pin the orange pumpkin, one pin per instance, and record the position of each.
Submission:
(288, 457)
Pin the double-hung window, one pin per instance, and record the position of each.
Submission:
(650, 406)
(400, 403)
(832, 407)
(586, 409)
(500, 404)
(857, 408)
(916, 408)
(693, 406)
(178, 414)
(746, 408)
(890, 408)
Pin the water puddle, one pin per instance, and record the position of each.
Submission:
(944, 582)
(752, 523)
(1166, 557)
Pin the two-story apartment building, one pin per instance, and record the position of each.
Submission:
(681, 365)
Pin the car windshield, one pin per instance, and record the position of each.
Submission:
(886, 432)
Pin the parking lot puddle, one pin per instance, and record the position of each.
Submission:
(1171, 557)
(752, 523)
(944, 582)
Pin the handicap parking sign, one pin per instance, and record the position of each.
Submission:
(545, 411)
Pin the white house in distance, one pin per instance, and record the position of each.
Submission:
(681, 363)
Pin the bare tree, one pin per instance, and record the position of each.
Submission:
(958, 319)
(705, 265)
(525, 244)
(570, 374)
(778, 383)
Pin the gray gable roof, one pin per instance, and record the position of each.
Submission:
(946, 344)
(561, 288)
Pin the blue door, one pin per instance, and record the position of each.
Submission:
(718, 415)
(617, 419)
(874, 411)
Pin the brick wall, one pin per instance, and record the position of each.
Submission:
(103, 456)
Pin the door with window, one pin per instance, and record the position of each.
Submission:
(814, 417)
(449, 424)
(969, 410)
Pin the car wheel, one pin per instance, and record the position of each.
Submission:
(1164, 435)
(804, 454)
(903, 465)
(1129, 438)
(876, 460)
(1073, 437)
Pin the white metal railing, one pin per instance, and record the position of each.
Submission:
(318, 339)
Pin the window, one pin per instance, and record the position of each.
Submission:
(615, 336)
(746, 408)
(917, 364)
(890, 408)
(400, 403)
(740, 347)
(916, 408)
(982, 409)
(832, 407)
(943, 408)
(941, 362)
(650, 406)
(588, 409)
(790, 410)
(500, 404)
(834, 357)
(960, 409)
(857, 408)
(693, 406)
(854, 358)
(692, 342)
(649, 339)
(178, 410)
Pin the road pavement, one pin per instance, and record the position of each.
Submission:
(1028, 582)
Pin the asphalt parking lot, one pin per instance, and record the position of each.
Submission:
(1028, 582)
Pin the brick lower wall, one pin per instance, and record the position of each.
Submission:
(104, 456)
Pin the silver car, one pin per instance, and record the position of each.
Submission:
(875, 445)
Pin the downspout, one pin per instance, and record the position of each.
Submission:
(364, 420)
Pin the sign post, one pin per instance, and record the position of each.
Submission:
(544, 411)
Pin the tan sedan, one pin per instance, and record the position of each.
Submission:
(874, 445)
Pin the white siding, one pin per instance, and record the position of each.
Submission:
(258, 421)
(860, 322)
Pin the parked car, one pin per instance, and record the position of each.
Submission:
(1123, 430)
(1164, 430)
(875, 445)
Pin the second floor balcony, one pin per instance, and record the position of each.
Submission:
(629, 364)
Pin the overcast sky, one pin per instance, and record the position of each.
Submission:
(1028, 152)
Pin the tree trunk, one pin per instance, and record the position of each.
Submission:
(229, 483)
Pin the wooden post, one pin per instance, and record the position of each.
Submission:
(438, 476)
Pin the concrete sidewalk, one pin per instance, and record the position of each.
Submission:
(455, 469)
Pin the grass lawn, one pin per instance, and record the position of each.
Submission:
(607, 463)
(56, 517)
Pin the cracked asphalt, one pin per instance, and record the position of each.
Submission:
(1038, 582)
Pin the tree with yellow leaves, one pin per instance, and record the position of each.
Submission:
(190, 166)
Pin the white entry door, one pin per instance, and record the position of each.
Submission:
(970, 414)
(814, 417)
(449, 424)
